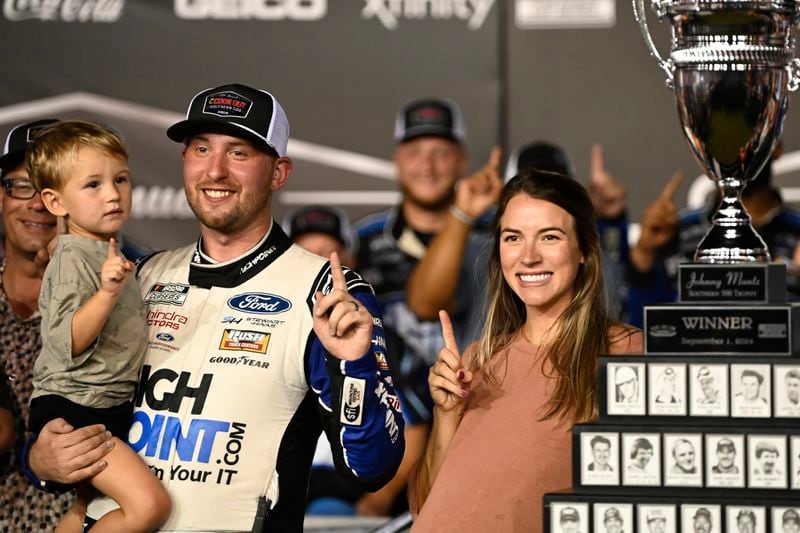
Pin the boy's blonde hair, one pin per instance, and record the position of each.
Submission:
(50, 157)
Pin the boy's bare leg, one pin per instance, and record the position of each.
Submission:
(143, 500)
(72, 520)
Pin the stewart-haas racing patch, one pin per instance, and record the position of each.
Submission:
(352, 401)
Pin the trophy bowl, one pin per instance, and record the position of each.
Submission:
(732, 67)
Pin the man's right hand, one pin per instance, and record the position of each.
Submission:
(659, 224)
(67, 455)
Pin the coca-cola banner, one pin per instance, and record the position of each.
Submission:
(573, 73)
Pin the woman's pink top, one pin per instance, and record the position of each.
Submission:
(502, 458)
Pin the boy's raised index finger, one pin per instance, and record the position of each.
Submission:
(337, 273)
(112, 248)
(448, 334)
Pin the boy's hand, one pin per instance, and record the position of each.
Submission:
(115, 272)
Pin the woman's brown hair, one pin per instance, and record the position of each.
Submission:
(580, 334)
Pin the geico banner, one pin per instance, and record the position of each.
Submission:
(251, 9)
(64, 10)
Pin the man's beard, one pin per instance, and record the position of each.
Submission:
(437, 204)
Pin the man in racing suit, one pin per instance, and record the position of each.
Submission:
(254, 346)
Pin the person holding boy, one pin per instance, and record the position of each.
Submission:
(93, 327)
(254, 346)
(28, 227)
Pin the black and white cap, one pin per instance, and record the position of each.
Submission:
(321, 219)
(236, 110)
(18, 140)
(539, 156)
(437, 117)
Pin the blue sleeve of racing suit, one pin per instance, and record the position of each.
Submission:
(359, 407)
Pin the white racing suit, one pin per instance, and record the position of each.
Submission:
(236, 387)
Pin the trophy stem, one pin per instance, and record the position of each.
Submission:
(732, 238)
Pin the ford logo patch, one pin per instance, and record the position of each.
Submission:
(166, 337)
(260, 303)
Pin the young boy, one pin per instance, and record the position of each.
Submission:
(93, 326)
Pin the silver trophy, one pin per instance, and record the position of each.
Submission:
(732, 66)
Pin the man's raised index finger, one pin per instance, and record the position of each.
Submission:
(448, 334)
(337, 273)
(597, 172)
(672, 185)
(496, 157)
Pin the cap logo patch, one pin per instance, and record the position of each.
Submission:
(428, 115)
(227, 104)
(33, 131)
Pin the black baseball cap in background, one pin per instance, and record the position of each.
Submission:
(18, 140)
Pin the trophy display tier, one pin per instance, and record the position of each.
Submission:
(699, 390)
(760, 283)
(768, 330)
(687, 460)
(671, 513)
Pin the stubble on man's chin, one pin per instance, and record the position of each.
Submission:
(438, 204)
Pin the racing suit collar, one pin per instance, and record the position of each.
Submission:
(205, 273)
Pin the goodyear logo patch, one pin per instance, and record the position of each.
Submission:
(227, 104)
(166, 293)
(244, 341)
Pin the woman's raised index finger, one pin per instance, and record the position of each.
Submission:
(337, 273)
(447, 332)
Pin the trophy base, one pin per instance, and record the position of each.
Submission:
(732, 244)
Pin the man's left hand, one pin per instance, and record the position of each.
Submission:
(342, 323)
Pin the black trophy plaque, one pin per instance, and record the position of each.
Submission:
(718, 330)
(742, 283)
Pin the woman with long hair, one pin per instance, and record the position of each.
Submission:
(503, 412)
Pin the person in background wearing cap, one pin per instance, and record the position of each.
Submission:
(746, 521)
(255, 344)
(627, 385)
(684, 454)
(669, 237)
(767, 455)
(656, 521)
(702, 521)
(29, 227)
(791, 521)
(609, 198)
(726, 457)
(439, 215)
(570, 520)
(708, 385)
(612, 520)
(322, 230)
